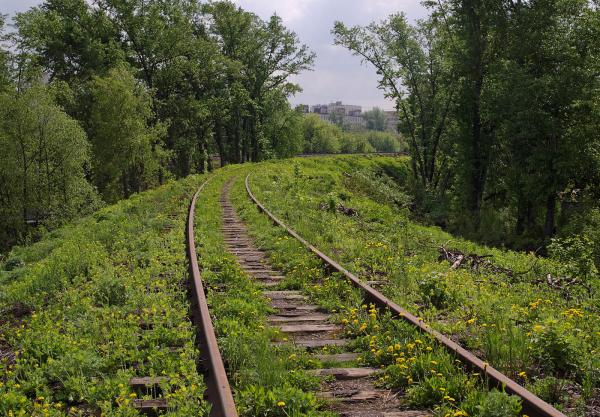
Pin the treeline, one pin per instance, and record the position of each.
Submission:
(101, 100)
(499, 103)
(322, 137)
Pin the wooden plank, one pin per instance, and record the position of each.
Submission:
(282, 305)
(147, 406)
(353, 396)
(317, 343)
(308, 328)
(407, 413)
(337, 357)
(147, 381)
(284, 295)
(299, 318)
(376, 283)
(345, 373)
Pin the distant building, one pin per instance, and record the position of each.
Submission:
(392, 121)
(351, 114)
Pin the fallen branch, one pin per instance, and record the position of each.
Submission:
(473, 261)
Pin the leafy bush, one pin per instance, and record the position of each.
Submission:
(550, 389)
(379, 187)
(285, 401)
(500, 404)
(576, 254)
(355, 143)
(434, 291)
(554, 350)
(386, 142)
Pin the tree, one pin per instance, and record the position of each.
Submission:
(320, 136)
(283, 127)
(472, 43)
(69, 39)
(127, 149)
(550, 84)
(42, 164)
(384, 141)
(376, 119)
(411, 63)
(262, 56)
(4, 59)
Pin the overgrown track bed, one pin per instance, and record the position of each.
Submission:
(351, 390)
(531, 404)
(218, 391)
(96, 316)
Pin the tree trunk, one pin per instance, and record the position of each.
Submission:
(477, 149)
(550, 216)
(219, 141)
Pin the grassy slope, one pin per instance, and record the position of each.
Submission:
(76, 305)
(526, 329)
(72, 310)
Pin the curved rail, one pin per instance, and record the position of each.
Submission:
(218, 391)
(532, 405)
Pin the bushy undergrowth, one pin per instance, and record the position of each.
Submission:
(516, 321)
(96, 303)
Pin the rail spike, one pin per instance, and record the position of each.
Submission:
(218, 391)
(532, 405)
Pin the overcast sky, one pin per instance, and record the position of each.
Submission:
(337, 74)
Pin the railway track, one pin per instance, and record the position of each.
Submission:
(348, 389)
(218, 391)
(532, 405)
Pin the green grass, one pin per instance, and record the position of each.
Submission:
(521, 326)
(76, 304)
(98, 302)
(410, 361)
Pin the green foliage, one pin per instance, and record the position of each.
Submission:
(320, 136)
(284, 401)
(576, 254)
(434, 291)
(499, 110)
(96, 303)
(500, 404)
(355, 143)
(376, 119)
(42, 164)
(550, 389)
(379, 187)
(410, 59)
(126, 149)
(161, 86)
(5, 76)
(555, 350)
(386, 142)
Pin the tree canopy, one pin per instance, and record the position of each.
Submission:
(498, 101)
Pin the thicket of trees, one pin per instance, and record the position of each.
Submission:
(499, 103)
(112, 97)
(320, 136)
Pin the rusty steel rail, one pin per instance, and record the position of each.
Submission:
(218, 391)
(532, 405)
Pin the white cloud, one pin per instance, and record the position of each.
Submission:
(289, 10)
